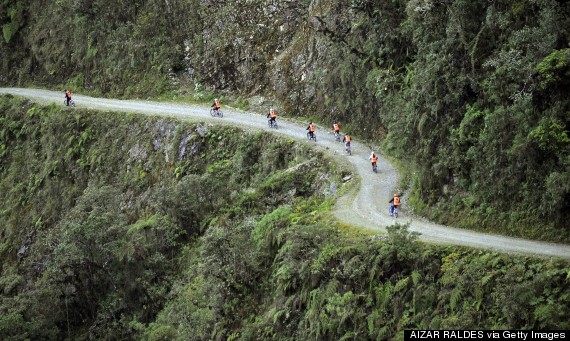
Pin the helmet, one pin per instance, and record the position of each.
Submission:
(215, 99)
(311, 122)
(271, 109)
(395, 195)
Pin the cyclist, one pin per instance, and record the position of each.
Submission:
(216, 104)
(336, 130)
(67, 96)
(394, 202)
(311, 129)
(346, 139)
(272, 116)
(373, 159)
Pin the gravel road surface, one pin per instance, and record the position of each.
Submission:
(366, 208)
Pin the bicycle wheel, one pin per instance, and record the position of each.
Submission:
(216, 113)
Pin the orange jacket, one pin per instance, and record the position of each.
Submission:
(312, 128)
(374, 159)
(336, 127)
(347, 138)
(396, 201)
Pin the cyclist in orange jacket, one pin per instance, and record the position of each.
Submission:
(346, 139)
(216, 104)
(67, 96)
(373, 160)
(395, 202)
(272, 117)
(311, 128)
(336, 130)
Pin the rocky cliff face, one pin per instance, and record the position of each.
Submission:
(443, 84)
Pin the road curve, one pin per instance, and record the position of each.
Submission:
(368, 208)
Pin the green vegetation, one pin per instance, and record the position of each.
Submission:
(117, 226)
(470, 95)
(120, 226)
(96, 208)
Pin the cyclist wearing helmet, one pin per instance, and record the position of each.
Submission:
(373, 160)
(311, 129)
(336, 127)
(67, 96)
(216, 104)
(346, 139)
(272, 116)
(395, 202)
(336, 130)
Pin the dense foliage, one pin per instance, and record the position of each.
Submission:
(313, 279)
(119, 226)
(471, 94)
(95, 208)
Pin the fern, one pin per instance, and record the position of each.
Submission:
(383, 294)
(486, 279)
(278, 314)
(8, 30)
(455, 298)
(416, 277)
(349, 336)
(403, 283)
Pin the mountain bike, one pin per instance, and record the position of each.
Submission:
(375, 168)
(393, 211)
(347, 148)
(336, 136)
(216, 112)
(71, 102)
(311, 136)
(272, 123)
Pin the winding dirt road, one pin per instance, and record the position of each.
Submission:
(368, 208)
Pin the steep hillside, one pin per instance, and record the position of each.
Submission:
(121, 226)
(470, 95)
(97, 207)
